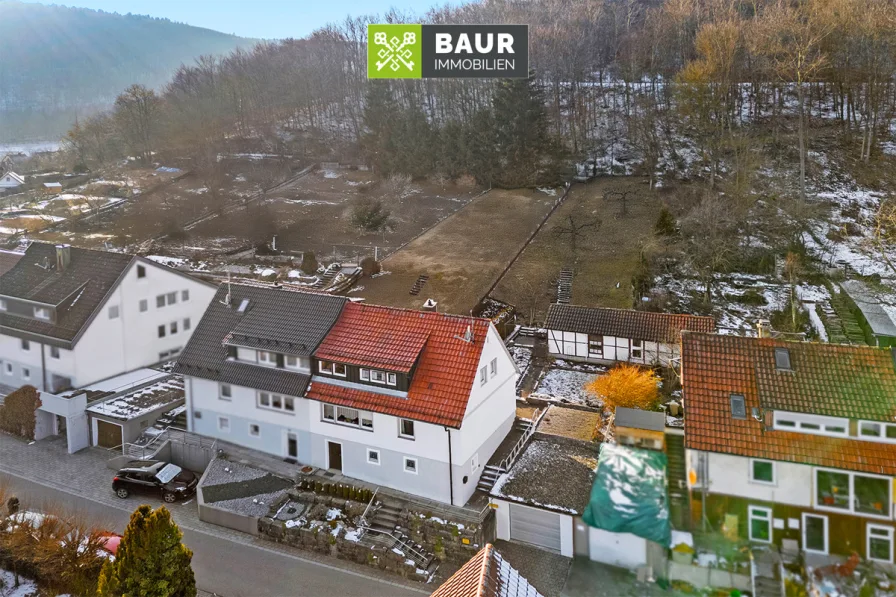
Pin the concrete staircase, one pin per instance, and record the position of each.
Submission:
(328, 275)
(564, 286)
(384, 529)
(418, 285)
(489, 476)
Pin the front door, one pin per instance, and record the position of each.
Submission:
(292, 445)
(335, 456)
(815, 533)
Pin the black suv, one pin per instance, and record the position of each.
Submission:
(156, 478)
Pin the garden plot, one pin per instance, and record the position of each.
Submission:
(463, 255)
(563, 385)
(605, 257)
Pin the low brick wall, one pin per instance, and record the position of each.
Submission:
(451, 542)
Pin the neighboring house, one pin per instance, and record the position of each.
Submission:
(11, 180)
(792, 443)
(8, 259)
(640, 428)
(487, 574)
(602, 335)
(877, 324)
(70, 317)
(416, 401)
(51, 188)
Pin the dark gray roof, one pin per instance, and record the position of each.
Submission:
(275, 319)
(640, 419)
(77, 292)
(625, 323)
(878, 319)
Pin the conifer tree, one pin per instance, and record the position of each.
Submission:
(151, 560)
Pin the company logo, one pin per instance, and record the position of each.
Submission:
(414, 51)
(394, 51)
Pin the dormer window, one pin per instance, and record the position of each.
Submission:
(331, 368)
(267, 358)
(782, 359)
(738, 406)
(42, 313)
(380, 377)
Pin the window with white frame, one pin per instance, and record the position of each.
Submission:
(391, 379)
(144, 305)
(161, 331)
(814, 424)
(276, 402)
(329, 412)
(410, 465)
(595, 345)
(347, 416)
(760, 524)
(364, 374)
(859, 493)
(325, 367)
(224, 424)
(373, 456)
(26, 345)
(267, 358)
(173, 327)
(493, 368)
(186, 323)
(377, 376)
(42, 313)
(637, 350)
(406, 428)
(762, 471)
(339, 370)
(113, 312)
(879, 543)
(293, 362)
(184, 295)
(171, 298)
(254, 430)
(483, 376)
(160, 301)
(54, 352)
(225, 392)
(875, 430)
(815, 533)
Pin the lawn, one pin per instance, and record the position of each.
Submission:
(606, 254)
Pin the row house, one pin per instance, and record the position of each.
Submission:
(416, 401)
(792, 443)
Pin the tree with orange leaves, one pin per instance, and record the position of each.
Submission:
(628, 386)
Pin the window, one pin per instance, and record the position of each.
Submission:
(339, 369)
(760, 520)
(882, 431)
(276, 401)
(637, 349)
(410, 465)
(880, 543)
(406, 428)
(289, 404)
(267, 358)
(325, 367)
(377, 376)
(373, 456)
(815, 533)
(293, 362)
(160, 301)
(2, 304)
(9, 368)
(367, 420)
(254, 430)
(391, 379)
(42, 313)
(364, 374)
(483, 376)
(225, 391)
(738, 406)
(173, 326)
(141, 271)
(224, 424)
(814, 424)
(161, 331)
(186, 324)
(26, 345)
(347, 415)
(596, 345)
(144, 305)
(762, 471)
(493, 367)
(264, 399)
(113, 312)
(782, 359)
(859, 493)
(26, 373)
(184, 295)
(171, 298)
(54, 352)
(329, 412)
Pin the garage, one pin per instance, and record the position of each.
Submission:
(534, 526)
(108, 435)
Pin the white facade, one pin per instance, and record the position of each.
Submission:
(447, 462)
(504, 519)
(590, 347)
(731, 475)
(11, 180)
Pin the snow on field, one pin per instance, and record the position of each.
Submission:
(26, 587)
(522, 356)
(565, 386)
(166, 260)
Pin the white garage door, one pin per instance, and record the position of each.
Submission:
(534, 526)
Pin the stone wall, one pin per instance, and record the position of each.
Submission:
(451, 542)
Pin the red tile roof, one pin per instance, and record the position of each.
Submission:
(487, 574)
(714, 367)
(389, 338)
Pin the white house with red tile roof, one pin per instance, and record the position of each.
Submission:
(411, 400)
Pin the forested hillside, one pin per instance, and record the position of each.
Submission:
(56, 62)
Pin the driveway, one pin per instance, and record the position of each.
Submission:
(226, 562)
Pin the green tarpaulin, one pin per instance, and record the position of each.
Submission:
(629, 494)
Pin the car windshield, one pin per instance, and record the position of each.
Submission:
(168, 472)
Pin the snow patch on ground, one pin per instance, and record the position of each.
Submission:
(565, 386)
(26, 587)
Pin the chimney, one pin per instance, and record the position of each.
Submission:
(764, 327)
(63, 257)
(430, 305)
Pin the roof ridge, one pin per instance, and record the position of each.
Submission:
(483, 569)
(633, 311)
(424, 313)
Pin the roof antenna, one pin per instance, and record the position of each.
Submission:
(468, 333)
(226, 301)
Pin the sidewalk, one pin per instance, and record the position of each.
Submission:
(47, 462)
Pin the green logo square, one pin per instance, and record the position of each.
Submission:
(394, 51)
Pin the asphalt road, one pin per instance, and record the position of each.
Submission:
(228, 568)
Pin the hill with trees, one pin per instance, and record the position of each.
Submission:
(60, 62)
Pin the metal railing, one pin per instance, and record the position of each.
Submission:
(401, 545)
(363, 520)
(508, 460)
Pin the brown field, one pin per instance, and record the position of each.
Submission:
(463, 255)
(605, 256)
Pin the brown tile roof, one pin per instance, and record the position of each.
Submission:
(8, 259)
(487, 574)
(442, 377)
(625, 323)
(714, 367)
